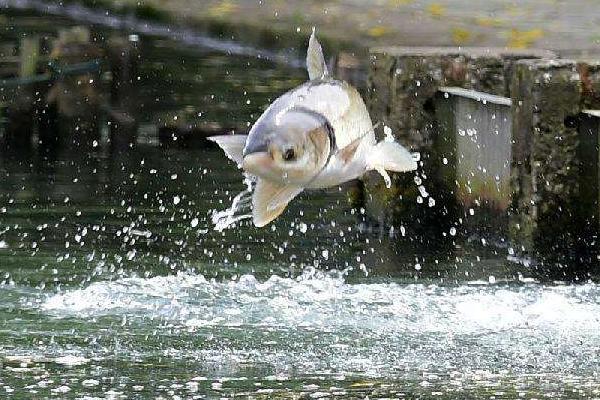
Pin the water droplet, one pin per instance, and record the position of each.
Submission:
(303, 227)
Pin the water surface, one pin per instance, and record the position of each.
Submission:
(115, 284)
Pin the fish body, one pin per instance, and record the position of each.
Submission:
(317, 135)
(343, 109)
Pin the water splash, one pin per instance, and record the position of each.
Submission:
(451, 338)
(326, 301)
(239, 209)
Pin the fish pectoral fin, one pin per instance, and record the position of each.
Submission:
(390, 156)
(315, 62)
(232, 145)
(270, 199)
(347, 153)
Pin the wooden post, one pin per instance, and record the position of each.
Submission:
(402, 87)
(403, 82)
(588, 206)
(78, 98)
(29, 54)
(350, 68)
(123, 57)
(551, 159)
(19, 112)
(472, 152)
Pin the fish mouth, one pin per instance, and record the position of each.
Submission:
(258, 163)
(256, 145)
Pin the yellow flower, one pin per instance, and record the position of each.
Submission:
(460, 35)
(377, 31)
(436, 10)
(222, 9)
(489, 22)
(523, 39)
(398, 3)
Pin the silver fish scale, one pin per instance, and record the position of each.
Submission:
(336, 100)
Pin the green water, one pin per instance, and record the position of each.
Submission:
(114, 284)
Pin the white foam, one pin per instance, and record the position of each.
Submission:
(323, 301)
(71, 360)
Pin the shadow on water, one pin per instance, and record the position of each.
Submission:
(113, 280)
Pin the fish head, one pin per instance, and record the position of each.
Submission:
(290, 148)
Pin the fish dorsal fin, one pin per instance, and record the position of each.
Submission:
(315, 62)
(269, 200)
(232, 145)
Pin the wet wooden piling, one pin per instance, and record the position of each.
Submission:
(19, 101)
(79, 98)
(527, 161)
(552, 156)
(29, 55)
(403, 82)
(589, 154)
(403, 85)
(473, 154)
(123, 58)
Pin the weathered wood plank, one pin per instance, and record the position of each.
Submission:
(588, 153)
(29, 52)
(480, 154)
(550, 152)
(476, 95)
(403, 84)
(410, 76)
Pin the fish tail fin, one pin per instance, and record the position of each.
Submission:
(390, 156)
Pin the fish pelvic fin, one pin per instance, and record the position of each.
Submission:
(315, 62)
(232, 145)
(390, 156)
(270, 199)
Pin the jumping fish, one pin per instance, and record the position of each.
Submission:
(315, 136)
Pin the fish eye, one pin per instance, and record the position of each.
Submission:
(288, 155)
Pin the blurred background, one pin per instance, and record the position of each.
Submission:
(114, 282)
